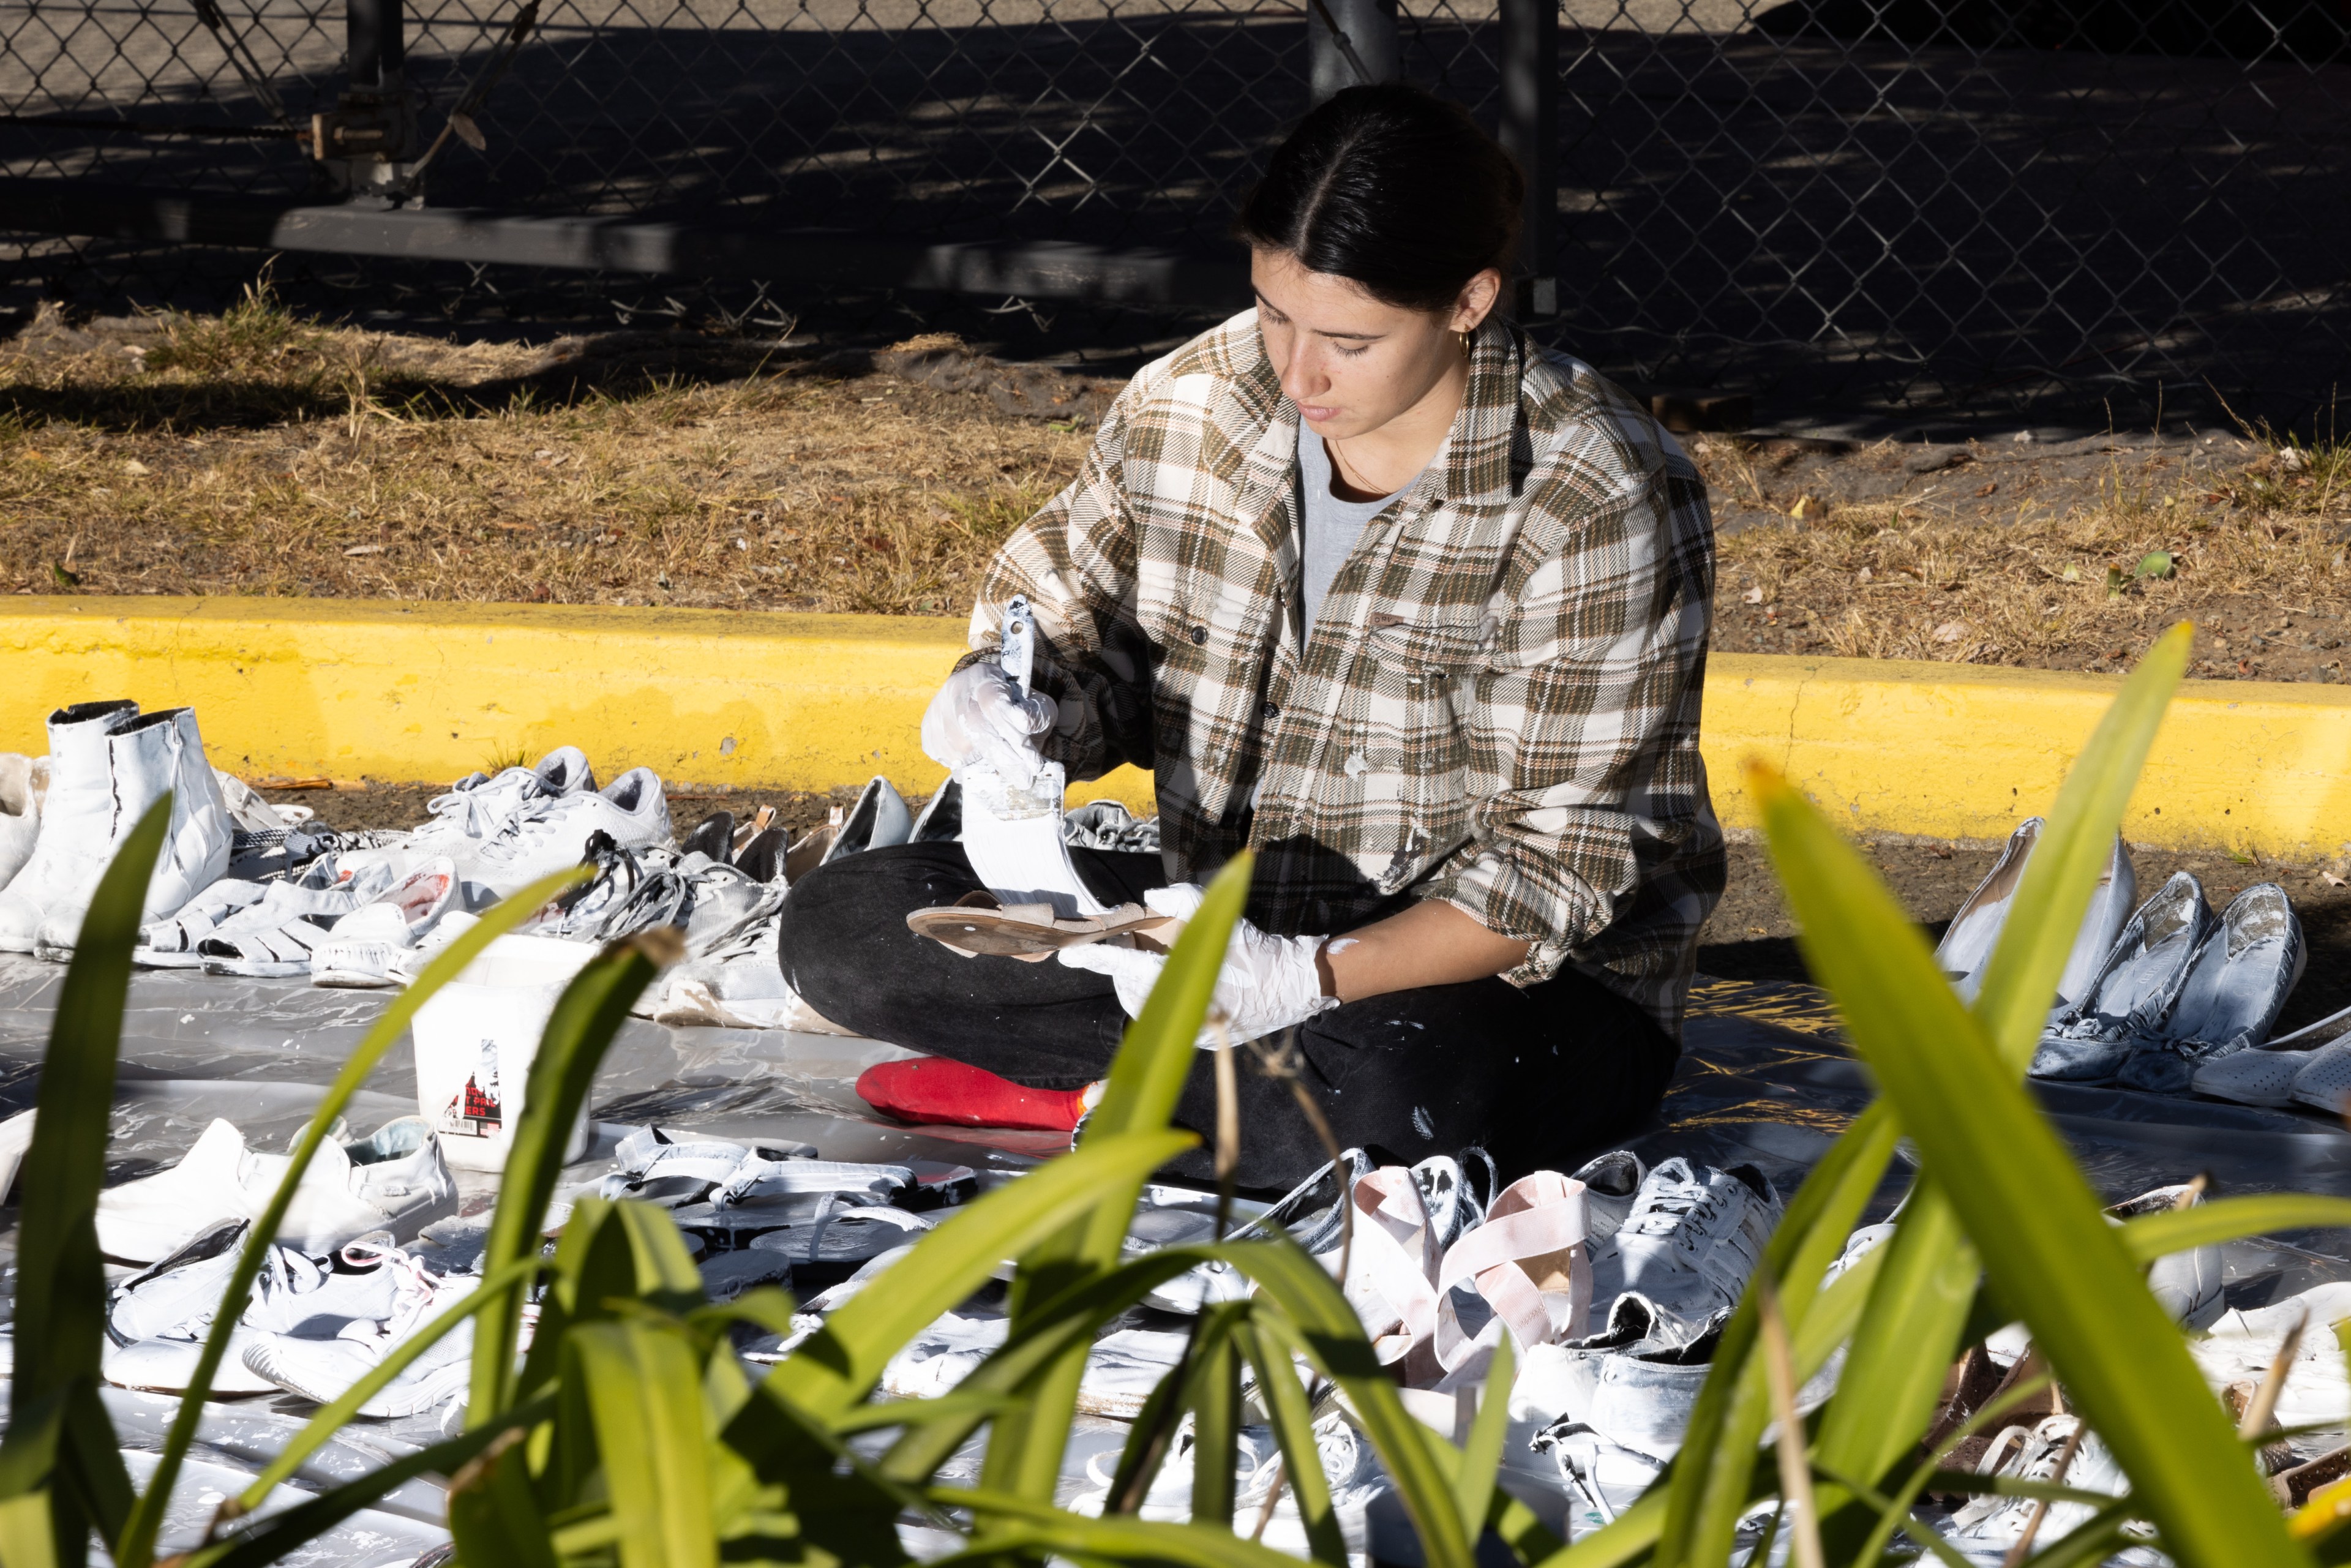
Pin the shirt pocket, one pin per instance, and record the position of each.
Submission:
(1420, 719)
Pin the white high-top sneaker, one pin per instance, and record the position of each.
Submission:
(24, 780)
(76, 823)
(156, 753)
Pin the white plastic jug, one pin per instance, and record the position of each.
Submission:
(475, 1038)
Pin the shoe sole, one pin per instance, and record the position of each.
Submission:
(351, 980)
(430, 1392)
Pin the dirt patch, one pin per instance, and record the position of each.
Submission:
(2069, 557)
(1750, 935)
(380, 805)
(253, 453)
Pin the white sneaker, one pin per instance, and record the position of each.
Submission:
(1992, 1523)
(160, 1319)
(1688, 1243)
(479, 807)
(1611, 1182)
(16, 1139)
(878, 821)
(2188, 1283)
(393, 1181)
(24, 782)
(551, 834)
(323, 1370)
(76, 823)
(1644, 1394)
(738, 984)
(153, 755)
(395, 920)
(1602, 1477)
(275, 937)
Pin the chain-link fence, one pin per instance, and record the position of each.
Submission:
(1893, 207)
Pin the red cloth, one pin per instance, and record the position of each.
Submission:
(933, 1089)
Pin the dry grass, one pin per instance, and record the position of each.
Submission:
(253, 454)
(2074, 584)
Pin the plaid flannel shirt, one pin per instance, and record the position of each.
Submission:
(1497, 706)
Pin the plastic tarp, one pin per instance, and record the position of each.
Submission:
(1764, 1080)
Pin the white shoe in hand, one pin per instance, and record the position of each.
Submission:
(1267, 983)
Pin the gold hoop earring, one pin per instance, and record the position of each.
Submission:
(1466, 353)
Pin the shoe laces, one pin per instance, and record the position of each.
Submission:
(539, 820)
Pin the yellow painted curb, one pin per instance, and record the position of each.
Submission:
(1964, 752)
(428, 691)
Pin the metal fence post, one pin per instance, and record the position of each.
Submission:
(366, 141)
(1350, 43)
(1529, 126)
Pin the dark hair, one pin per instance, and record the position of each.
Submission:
(1394, 188)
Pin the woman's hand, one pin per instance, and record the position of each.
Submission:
(981, 716)
(1267, 984)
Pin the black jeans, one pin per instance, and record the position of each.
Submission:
(1533, 1075)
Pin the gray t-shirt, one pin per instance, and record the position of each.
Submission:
(1330, 525)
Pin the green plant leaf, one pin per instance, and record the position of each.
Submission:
(1031, 1346)
(1024, 1453)
(2020, 979)
(137, 1548)
(1291, 1416)
(644, 1390)
(1216, 1401)
(1713, 1483)
(61, 1307)
(587, 1016)
(1908, 1333)
(1482, 1456)
(841, 1362)
(1044, 1530)
(2043, 1238)
(2154, 1236)
(1314, 1318)
(2155, 564)
(493, 1516)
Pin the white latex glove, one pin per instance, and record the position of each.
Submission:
(980, 716)
(1267, 983)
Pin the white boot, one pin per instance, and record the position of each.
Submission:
(24, 780)
(157, 755)
(76, 823)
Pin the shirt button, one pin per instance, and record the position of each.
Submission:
(1269, 712)
(1199, 635)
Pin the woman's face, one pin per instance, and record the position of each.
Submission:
(1350, 363)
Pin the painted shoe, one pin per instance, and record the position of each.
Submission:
(356, 953)
(1993, 1523)
(160, 1319)
(69, 849)
(323, 1370)
(1974, 932)
(2236, 984)
(1690, 1239)
(2265, 1075)
(2133, 990)
(551, 833)
(879, 821)
(394, 1181)
(23, 784)
(155, 755)
(2187, 1283)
